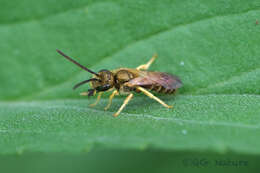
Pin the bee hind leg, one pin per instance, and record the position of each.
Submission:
(147, 65)
(128, 98)
(110, 99)
(153, 97)
(98, 99)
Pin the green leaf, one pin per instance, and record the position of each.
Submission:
(212, 126)
(213, 46)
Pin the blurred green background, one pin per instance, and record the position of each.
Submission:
(213, 46)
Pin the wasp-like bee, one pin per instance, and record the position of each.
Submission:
(128, 80)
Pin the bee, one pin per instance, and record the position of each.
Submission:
(128, 81)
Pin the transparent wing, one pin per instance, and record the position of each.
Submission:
(166, 80)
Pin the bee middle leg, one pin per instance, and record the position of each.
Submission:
(147, 65)
(98, 99)
(153, 97)
(111, 98)
(128, 98)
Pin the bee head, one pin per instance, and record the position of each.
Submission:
(101, 81)
(105, 81)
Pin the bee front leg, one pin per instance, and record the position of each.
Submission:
(111, 98)
(147, 65)
(98, 99)
(128, 98)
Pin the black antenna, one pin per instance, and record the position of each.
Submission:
(75, 62)
(83, 82)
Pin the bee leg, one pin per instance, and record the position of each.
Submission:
(84, 93)
(128, 98)
(98, 98)
(110, 99)
(153, 97)
(147, 65)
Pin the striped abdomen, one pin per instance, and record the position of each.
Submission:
(160, 89)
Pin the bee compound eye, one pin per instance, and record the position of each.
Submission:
(103, 87)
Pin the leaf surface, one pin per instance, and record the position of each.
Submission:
(212, 46)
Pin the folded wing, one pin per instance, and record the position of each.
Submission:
(147, 78)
